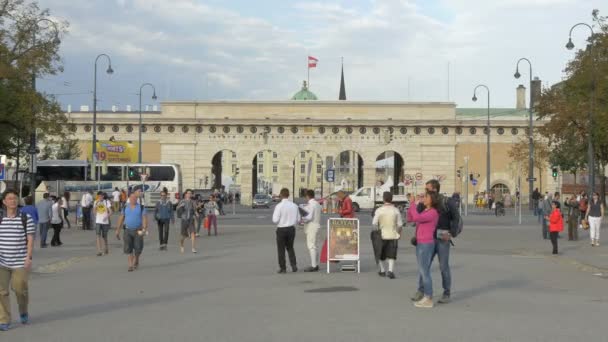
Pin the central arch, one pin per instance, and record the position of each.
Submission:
(349, 170)
(307, 173)
(265, 172)
(224, 170)
(389, 170)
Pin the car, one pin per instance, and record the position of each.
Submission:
(276, 198)
(261, 200)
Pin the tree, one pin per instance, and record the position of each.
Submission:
(22, 109)
(563, 108)
(66, 149)
(520, 153)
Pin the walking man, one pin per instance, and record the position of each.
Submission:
(164, 215)
(133, 216)
(45, 212)
(16, 246)
(86, 203)
(447, 212)
(286, 215)
(311, 229)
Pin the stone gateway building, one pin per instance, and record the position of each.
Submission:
(263, 145)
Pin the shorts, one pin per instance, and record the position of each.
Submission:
(134, 243)
(187, 227)
(102, 230)
(389, 249)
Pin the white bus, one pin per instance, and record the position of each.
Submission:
(75, 176)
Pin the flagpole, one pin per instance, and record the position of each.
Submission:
(308, 71)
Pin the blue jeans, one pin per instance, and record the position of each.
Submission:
(545, 228)
(539, 213)
(424, 255)
(44, 230)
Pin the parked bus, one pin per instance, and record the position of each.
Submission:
(75, 176)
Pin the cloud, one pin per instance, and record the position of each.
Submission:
(198, 50)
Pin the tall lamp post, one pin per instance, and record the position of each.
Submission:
(140, 121)
(530, 133)
(94, 142)
(590, 153)
(33, 148)
(488, 135)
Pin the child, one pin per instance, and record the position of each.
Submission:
(556, 224)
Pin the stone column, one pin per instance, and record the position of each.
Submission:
(246, 175)
(369, 176)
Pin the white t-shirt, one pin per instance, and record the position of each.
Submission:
(116, 196)
(64, 203)
(87, 200)
(102, 211)
(56, 219)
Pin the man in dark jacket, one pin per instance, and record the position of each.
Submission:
(447, 210)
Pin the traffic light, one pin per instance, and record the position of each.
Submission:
(554, 172)
(131, 173)
(470, 176)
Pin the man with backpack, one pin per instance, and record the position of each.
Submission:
(17, 231)
(448, 227)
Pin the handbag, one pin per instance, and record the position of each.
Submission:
(216, 212)
(585, 224)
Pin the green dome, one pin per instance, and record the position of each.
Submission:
(304, 94)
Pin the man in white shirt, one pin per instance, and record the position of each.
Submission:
(86, 203)
(311, 229)
(286, 215)
(116, 200)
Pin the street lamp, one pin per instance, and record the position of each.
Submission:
(590, 153)
(488, 136)
(33, 148)
(140, 121)
(94, 148)
(530, 133)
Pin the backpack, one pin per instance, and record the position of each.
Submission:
(23, 221)
(456, 223)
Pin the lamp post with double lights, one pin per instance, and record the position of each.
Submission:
(33, 148)
(590, 153)
(517, 75)
(94, 142)
(488, 136)
(140, 120)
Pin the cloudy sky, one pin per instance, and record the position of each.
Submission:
(394, 50)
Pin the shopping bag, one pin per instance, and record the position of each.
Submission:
(206, 222)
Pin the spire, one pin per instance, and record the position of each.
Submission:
(342, 87)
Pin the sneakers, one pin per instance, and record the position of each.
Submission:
(194, 250)
(312, 269)
(417, 296)
(5, 327)
(445, 299)
(390, 275)
(382, 274)
(25, 318)
(425, 302)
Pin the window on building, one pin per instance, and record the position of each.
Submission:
(319, 168)
(302, 155)
(260, 155)
(275, 179)
(274, 155)
(318, 179)
(274, 169)
(233, 155)
(233, 168)
(302, 168)
(260, 168)
(302, 179)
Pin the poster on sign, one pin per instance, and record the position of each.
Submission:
(343, 240)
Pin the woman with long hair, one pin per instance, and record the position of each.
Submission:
(426, 222)
(595, 212)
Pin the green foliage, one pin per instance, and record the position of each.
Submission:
(28, 44)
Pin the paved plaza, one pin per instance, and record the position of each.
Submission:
(506, 287)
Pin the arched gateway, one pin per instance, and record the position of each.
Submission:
(264, 146)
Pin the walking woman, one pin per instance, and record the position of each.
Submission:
(556, 224)
(211, 209)
(200, 210)
(65, 207)
(187, 212)
(595, 212)
(426, 222)
(56, 222)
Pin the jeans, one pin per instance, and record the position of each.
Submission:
(545, 228)
(539, 212)
(424, 255)
(212, 222)
(163, 231)
(86, 218)
(44, 231)
(285, 238)
(65, 217)
(442, 250)
(199, 223)
(56, 240)
(17, 279)
(554, 241)
(573, 228)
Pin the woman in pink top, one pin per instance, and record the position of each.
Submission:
(426, 223)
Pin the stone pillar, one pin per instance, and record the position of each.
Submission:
(246, 174)
(369, 176)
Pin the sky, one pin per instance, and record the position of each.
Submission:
(393, 50)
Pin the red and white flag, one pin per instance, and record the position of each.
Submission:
(312, 62)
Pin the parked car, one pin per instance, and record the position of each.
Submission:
(276, 198)
(261, 200)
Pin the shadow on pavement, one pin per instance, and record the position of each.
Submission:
(490, 287)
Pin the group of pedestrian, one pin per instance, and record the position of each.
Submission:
(437, 221)
(579, 211)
